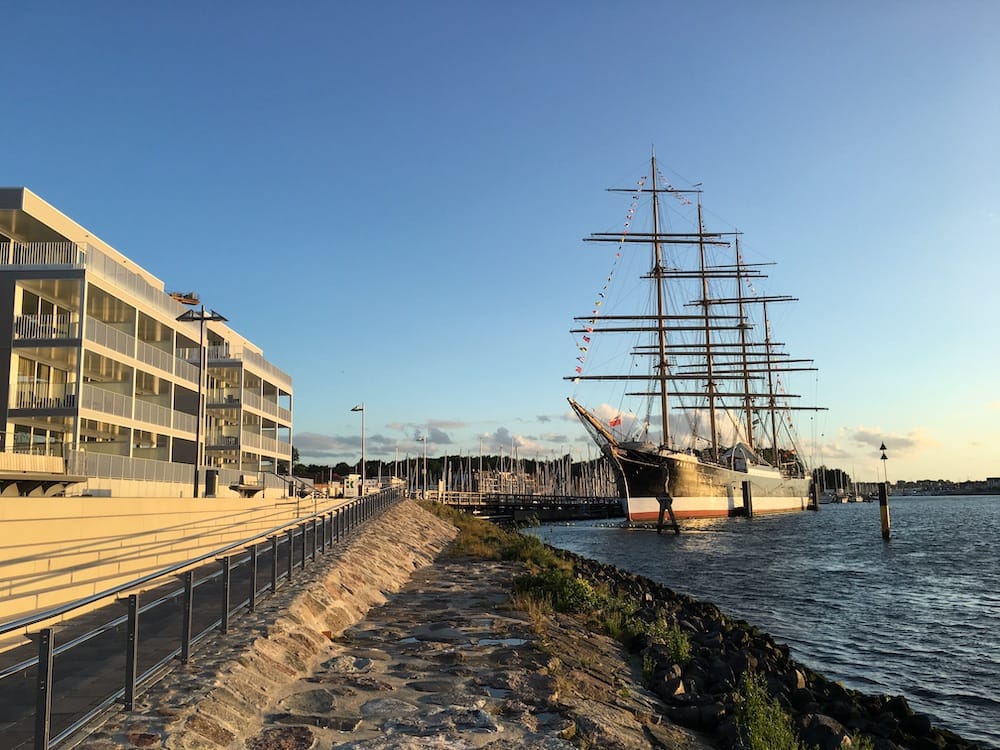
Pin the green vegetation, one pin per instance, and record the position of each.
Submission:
(648, 667)
(763, 723)
(479, 538)
(678, 645)
(564, 591)
(550, 584)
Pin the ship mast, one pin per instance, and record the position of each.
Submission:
(657, 274)
(709, 365)
(770, 389)
(744, 346)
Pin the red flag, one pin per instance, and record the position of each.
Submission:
(616, 421)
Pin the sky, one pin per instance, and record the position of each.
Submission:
(389, 198)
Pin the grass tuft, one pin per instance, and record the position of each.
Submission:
(763, 723)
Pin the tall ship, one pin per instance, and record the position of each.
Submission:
(699, 421)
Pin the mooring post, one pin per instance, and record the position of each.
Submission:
(813, 496)
(883, 496)
(667, 506)
(747, 499)
(883, 508)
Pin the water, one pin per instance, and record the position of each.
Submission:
(917, 616)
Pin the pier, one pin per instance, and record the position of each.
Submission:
(514, 507)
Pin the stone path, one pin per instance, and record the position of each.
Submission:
(446, 663)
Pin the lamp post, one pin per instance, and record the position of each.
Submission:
(361, 408)
(423, 439)
(189, 316)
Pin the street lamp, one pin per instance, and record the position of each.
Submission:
(423, 439)
(189, 316)
(361, 408)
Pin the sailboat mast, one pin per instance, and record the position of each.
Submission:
(660, 308)
(709, 364)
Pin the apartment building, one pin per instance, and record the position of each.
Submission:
(107, 384)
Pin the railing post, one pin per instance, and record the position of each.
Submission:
(337, 523)
(302, 551)
(312, 533)
(226, 581)
(186, 617)
(43, 695)
(131, 651)
(253, 578)
(291, 545)
(274, 563)
(322, 534)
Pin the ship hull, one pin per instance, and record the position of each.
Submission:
(702, 490)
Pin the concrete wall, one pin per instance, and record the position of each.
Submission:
(55, 550)
(135, 488)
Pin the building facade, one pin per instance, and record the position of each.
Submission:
(105, 379)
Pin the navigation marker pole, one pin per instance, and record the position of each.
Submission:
(883, 497)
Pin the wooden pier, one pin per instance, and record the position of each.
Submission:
(519, 507)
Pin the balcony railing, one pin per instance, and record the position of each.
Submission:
(102, 334)
(112, 270)
(44, 396)
(225, 397)
(41, 254)
(154, 356)
(108, 402)
(107, 466)
(280, 376)
(46, 327)
(151, 413)
(222, 441)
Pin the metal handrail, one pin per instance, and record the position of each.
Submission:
(327, 527)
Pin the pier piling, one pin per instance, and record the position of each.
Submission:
(667, 506)
(883, 507)
(747, 499)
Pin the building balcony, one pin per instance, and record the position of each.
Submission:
(45, 328)
(43, 396)
(42, 254)
(223, 398)
(222, 441)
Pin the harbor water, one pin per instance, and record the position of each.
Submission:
(918, 615)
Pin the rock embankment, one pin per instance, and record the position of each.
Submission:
(702, 694)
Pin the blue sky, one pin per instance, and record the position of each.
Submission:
(389, 197)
